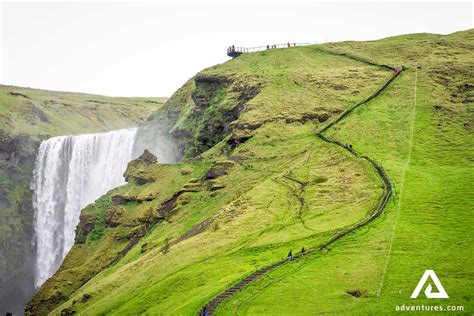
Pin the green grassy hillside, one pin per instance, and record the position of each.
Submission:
(52, 113)
(260, 182)
(421, 132)
(28, 116)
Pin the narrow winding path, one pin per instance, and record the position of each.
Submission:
(211, 306)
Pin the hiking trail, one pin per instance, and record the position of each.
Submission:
(211, 306)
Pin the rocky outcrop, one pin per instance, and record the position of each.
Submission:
(137, 170)
(85, 226)
(206, 89)
(243, 132)
(318, 117)
(204, 111)
(147, 158)
(218, 169)
(114, 216)
(201, 113)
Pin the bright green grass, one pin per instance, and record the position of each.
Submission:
(301, 81)
(254, 227)
(295, 85)
(427, 225)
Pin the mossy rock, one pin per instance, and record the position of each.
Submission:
(219, 169)
(121, 199)
(85, 226)
(215, 185)
(137, 232)
(147, 158)
(193, 187)
(183, 199)
(138, 170)
(114, 217)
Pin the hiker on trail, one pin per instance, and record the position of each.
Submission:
(303, 250)
(290, 255)
(268, 46)
(350, 146)
(289, 45)
(233, 48)
(395, 72)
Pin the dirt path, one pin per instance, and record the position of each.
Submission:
(210, 307)
(402, 182)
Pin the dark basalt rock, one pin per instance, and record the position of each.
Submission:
(86, 225)
(17, 151)
(67, 312)
(357, 293)
(323, 117)
(147, 158)
(119, 199)
(218, 169)
(16, 94)
(340, 87)
(242, 132)
(85, 297)
(215, 103)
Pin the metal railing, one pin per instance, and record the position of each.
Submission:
(239, 50)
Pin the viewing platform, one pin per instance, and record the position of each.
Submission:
(234, 51)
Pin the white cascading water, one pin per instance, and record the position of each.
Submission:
(70, 173)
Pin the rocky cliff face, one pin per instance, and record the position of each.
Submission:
(204, 111)
(17, 156)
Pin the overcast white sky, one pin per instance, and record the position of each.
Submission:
(151, 48)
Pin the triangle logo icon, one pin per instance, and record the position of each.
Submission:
(428, 291)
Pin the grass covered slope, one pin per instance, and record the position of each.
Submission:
(52, 113)
(290, 85)
(421, 132)
(28, 116)
(261, 183)
(249, 206)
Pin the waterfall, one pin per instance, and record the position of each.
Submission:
(70, 173)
